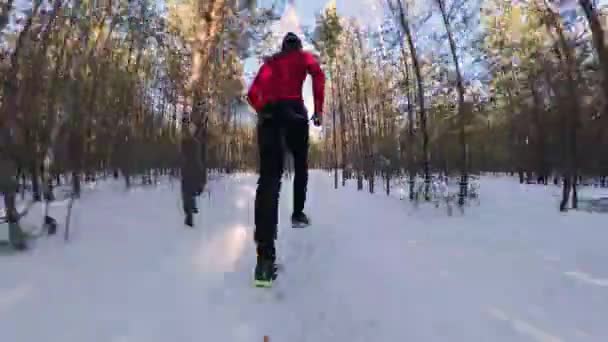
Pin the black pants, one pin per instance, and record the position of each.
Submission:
(276, 134)
(189, 194)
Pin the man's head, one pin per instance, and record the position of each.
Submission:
(291, 42)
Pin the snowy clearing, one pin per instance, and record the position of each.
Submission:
(371, 268)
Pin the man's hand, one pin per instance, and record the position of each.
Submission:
(317, 120)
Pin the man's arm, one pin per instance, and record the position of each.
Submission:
(318, 82)
(255, 94)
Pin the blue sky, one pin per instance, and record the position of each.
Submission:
(296, 14)
(299, 13)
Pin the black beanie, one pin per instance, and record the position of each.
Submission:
(291, 42)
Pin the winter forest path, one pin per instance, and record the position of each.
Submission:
(370, 268)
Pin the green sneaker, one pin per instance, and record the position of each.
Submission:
(265, 273)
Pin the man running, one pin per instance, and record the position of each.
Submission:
(193, 176)
(276, 95)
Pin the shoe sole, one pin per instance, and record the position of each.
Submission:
(263, 283)
(300, 225)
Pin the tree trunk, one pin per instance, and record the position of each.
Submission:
(11, 208)
(16, 235)
(47, 184)
(461, 110)
(565, 194)
(598, 34)
(365, 127)
(405, 25)
(540, 135)
(127, 179)
(361, 125)
(388, 183)
(5, 14)
(574, 195)
(410, 127)
(342, 126)
(335, 137)
(572, 117)
(76, 185)
(35, 182)
(9, 109)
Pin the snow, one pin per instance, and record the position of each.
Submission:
(370, 268)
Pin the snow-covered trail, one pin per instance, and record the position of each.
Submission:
(370, 268)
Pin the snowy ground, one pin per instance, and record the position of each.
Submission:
(371, 268)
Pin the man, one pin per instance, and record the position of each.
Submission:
(276, 95)
(192, 172)
(9, 160)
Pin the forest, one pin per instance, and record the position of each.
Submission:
(456, 189)
(100, 88)
(464, 87)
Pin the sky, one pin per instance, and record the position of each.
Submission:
(296, 15)
(300, 13)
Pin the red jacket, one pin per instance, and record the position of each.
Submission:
(282, 76)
